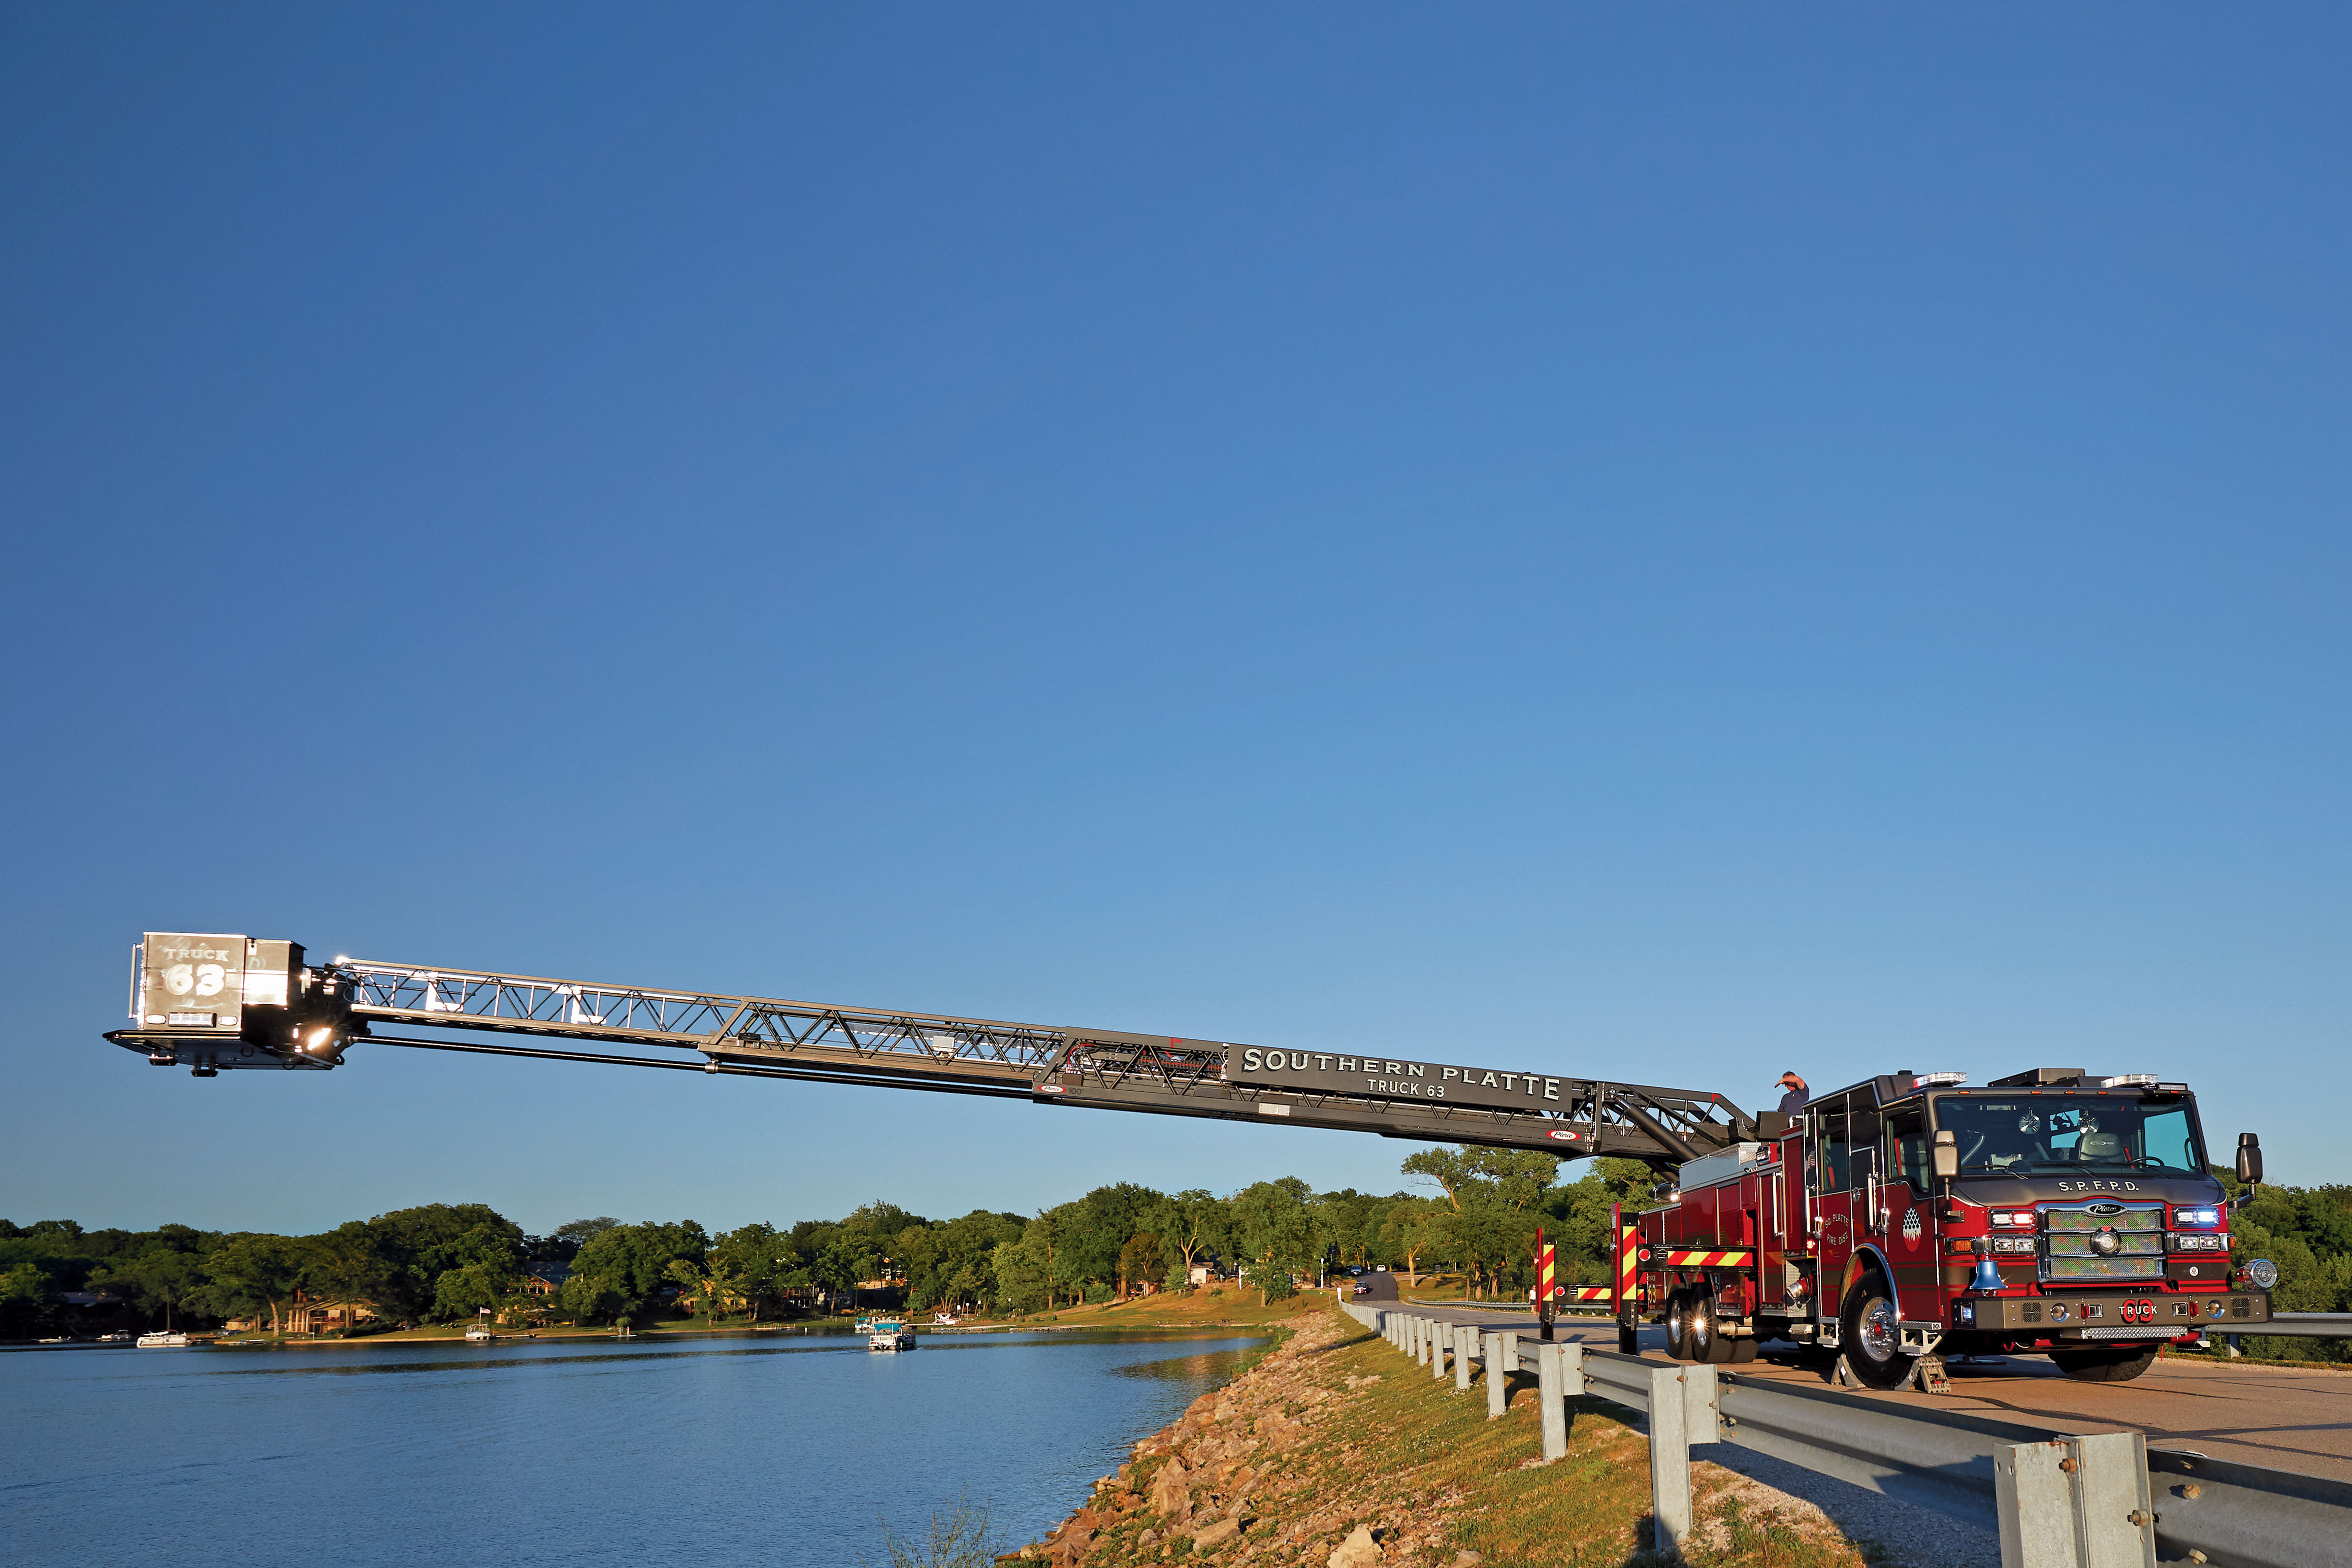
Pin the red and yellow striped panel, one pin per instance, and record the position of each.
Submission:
(1628, 1278)
(1544, 1289)
(1592, 1293)
(1669, 1258)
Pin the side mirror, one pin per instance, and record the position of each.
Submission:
(1946, 1155)
(2250, 1159)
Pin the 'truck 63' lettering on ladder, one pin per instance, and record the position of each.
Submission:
(1385, 1078)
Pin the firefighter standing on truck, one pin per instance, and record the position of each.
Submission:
(1793, 1103)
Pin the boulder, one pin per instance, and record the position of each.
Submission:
(1358, 1550)
(1172, 1490)
(1216, 1534)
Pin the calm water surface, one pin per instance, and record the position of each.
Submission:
(711, 1452)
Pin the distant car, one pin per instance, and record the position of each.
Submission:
(1383, 1268)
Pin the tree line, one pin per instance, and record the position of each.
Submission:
(1474, 1216)
(446, 1262)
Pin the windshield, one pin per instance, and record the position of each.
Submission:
(2059, 1134)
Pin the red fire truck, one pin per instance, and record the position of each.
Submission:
(1906, 1217)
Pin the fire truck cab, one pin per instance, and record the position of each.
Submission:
(2050, 1211)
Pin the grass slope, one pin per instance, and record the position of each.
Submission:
(1335, 1431)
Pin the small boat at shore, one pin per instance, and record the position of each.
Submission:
(162, 1342)
(889, 1335)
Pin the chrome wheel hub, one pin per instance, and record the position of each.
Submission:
(1880, 1340)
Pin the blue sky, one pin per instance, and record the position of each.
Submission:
(1663, 543)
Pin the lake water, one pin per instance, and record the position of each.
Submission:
(709, 1452)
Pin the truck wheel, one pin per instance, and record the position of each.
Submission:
(1868, 1335)
(2107, 1363)
(1705, 1339)
(1742, 1350)
(1678, 1304)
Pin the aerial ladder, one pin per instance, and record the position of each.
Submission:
(213, 1002)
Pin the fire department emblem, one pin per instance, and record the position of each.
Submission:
(1911, 1226)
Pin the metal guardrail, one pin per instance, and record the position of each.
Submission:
(2056, 1499)
(2302, 1325)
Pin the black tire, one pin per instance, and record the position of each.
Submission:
(1743, 1350)
(1678, 1324)
(1704, 1339)
(1867, 1336)
(2106, 1363)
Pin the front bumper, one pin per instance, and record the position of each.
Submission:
(2074, 1315)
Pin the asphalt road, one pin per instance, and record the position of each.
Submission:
(2286, 1420)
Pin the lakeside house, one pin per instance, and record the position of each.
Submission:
(545, 1279)
(307, 1315)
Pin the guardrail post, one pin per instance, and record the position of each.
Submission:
(1510, 1350)
(1571, 1376)
(2075, 1502)
(1498, 1381)
(1441, 1339)
(1670, 1477)
(1464, 1339)
(1551, 1398)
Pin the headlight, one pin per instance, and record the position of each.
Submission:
(2197, 1216)
(2007, 1243)
(2201, 1243)
(2263, 1272)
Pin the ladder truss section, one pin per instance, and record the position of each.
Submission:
(293, 1016)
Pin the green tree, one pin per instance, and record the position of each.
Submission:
(1138, 1260)
(1494, 1200)
(951, 1263)
(1190, 1225)
(161, 1278)
(618, 1271)
(1097, 1227)
(28, 1301)
(701, 1283)
(1413, 1229)
(1026, 1270)
(752, 1263)
(577, 1234)
(248, 1274)
(1280, 1232)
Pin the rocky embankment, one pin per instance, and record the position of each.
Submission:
(1265, 1471)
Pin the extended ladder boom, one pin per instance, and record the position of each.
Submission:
(212, 1002)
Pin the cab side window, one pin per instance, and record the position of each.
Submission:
(1906, 1142)
(1862, 1129)
(1835, 1161)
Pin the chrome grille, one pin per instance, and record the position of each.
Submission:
(2067, 1230)
(2146, 1245)
(2094, 1268)
(2121, 1216)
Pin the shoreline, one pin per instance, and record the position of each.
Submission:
(1185, 1327)
(1334, 1451)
